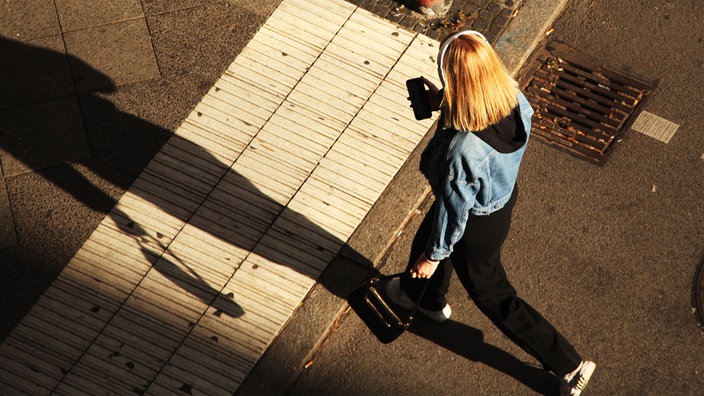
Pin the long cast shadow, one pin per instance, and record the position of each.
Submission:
(116, 146)
(468, 342)
(119, 145)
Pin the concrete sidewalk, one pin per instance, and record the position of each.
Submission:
(135, 256)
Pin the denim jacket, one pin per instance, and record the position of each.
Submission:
(479, 180)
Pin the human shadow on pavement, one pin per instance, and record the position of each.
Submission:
(116, 146)
(468, 342)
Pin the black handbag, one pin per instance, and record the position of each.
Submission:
(369, 302)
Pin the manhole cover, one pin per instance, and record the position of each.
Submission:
(580, 107)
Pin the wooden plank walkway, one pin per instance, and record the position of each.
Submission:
(202, 262)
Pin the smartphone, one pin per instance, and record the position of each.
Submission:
(419, 98)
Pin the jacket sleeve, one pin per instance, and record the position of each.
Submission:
(452, 207)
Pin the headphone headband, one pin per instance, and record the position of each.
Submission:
(446, 43)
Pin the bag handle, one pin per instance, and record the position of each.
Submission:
(417, 303)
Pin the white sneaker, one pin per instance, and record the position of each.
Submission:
(574, 383)
(400, 298)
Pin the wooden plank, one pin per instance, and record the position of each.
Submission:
(373, 155)
(230, 229)
(287, 143)
(230, 99)
(33, 333)
(244, 94)
(274, 53)
(393, 131)
(356, 183)
(139, 208)
(177, 382)
(148, 331)
(52, 314)
(331, 190)
(202, 370)
(17, 380)
(178, 207)
(114, 270)
(336, 11)
(405, 128)
(196, 243)
(195, 261)
(283, 251)
(162, 311)
(293, 17)
(306, 125)
(284, 40)
(90, 382)
(281, 179)
(279, 280)
(308, 19)
(296, 227)
(383, 135)
(147, 343)
(276, 70)
(295, 162)
(215, 356)
(381, 28)
(352, 76)
(83, 388)
(222, 147)
(372, 167)
(356, 65)
(103, 295)
(105, 271)
(280, 29)
(21, 361)
(362, 39)
(107, 242)
(322, 212)
(336, 80)
(113, 369)
(270, 187)
(239, 187)
(189, 163)
(190, 151)
(252, 73)
(117, 352)
(53, 363)
(78, 315)
(233, 224)
(334, 227)
(179, 294)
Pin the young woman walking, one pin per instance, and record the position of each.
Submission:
(485, 124)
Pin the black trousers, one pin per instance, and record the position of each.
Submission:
(476, 259)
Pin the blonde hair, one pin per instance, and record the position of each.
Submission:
(479, 91)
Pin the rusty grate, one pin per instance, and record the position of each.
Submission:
(580, 107)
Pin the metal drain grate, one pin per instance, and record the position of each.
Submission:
(580, 107)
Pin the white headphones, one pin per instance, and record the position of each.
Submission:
(446, 43)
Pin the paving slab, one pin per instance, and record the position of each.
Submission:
(80, 14)
(125, 128)
(195, 53)
(16, 13)
(35, 142)
(33, 70)
(108, 55)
